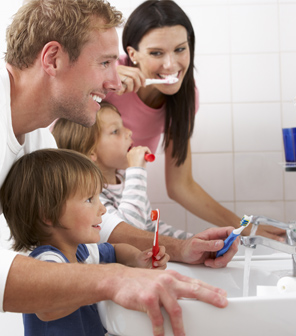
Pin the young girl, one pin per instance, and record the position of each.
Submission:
(51, 203)
(110, 145)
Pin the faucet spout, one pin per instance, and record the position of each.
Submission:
(289, 247)
(256, 220)
(253, 241)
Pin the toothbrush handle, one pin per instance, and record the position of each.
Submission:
(155, 250)
(227, 243)
(149, 157)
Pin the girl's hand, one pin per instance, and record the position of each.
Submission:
(131, 78)
(135, 156)
(145, 259)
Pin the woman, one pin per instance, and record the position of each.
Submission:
(159, 40)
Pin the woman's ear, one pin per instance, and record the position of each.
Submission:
(132, 54)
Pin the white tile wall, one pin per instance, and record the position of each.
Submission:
(254, 28)
(256, 127)
(212, 136)
(213, 78)
(255, 77)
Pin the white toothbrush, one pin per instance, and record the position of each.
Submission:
(168, 80)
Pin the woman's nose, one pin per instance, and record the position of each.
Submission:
(168, 61)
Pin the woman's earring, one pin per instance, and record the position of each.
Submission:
(135, 62)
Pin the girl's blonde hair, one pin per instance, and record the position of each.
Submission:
(37, 187)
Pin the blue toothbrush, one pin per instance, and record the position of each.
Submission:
(245, 221)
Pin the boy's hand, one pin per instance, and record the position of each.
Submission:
(136, 156)
(145, 259)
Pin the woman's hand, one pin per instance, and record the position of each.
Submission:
(131, 78)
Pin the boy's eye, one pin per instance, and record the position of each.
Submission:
(89, 200)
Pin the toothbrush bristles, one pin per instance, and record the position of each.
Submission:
(245, 220)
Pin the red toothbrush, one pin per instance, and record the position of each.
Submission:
(155, 248)
(149, 157)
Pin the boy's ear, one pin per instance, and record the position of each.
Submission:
(52, 57)
(47, 222)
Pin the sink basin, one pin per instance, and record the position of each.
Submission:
(273, 314)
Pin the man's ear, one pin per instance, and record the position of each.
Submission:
(52, 55)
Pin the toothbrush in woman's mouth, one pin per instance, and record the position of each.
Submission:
(166, 80)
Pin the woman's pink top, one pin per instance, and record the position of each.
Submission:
(146, 123)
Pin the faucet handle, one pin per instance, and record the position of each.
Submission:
(291, 233)
(292, 226)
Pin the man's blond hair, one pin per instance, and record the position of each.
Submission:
(68, 22)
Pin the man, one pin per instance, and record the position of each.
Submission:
(61, 61)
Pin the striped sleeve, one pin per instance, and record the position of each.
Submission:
(129, 201)
(166, 229)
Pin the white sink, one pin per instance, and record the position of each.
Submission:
(253, 315)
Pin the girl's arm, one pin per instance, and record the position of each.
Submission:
(133, 206)
(182, 188)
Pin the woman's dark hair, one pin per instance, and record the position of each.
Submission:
(180, 107)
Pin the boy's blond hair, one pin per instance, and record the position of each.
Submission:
(37, 187)
(82, 139)
(68, 22)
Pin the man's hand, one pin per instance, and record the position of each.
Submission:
(148, 290)
(202, 248)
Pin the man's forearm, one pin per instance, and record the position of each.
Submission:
(35, 286)
(143, 240)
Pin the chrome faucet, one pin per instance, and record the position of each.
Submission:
(288, 247)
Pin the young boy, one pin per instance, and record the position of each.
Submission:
(51, 203)
(109, 144)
